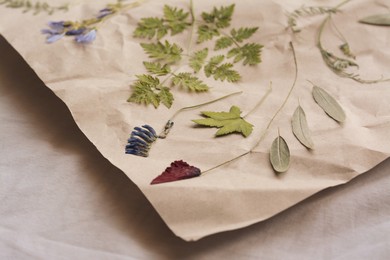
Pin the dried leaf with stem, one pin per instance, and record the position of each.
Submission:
(300, 128)
(280, 154)
(328, 104)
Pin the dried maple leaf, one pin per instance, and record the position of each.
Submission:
(179, 170)
(228, 122)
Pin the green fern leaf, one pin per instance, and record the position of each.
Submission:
(220, 17)
(176, 19)
(198, 59)
(166, 97)
(167, 52)
(223, 43)
(224, 72)
(151, 27)
(144, 94)
(243, 33)
(249, 53)
(157, 68)
(206, 33)
(185, 80)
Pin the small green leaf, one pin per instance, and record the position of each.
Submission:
(301, 129)
(151, 27)
(380, 19)
(212, 64)
(224, 72)
(191, 83)
(143, 94)
(220, 17)
(249, 53)
(176, 19)
(223, 43)
(206, 33)
(243, 33)
(328, 104)
(280, 155)
(219, 71)
(156, 68)
(166, 97)
(198, 59)
(228, 122)
(167, 52)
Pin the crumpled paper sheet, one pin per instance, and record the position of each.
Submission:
(94, 81)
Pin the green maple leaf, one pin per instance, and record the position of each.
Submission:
(198, 59)
(185, 80)
(249, 53)
(228, 122)
(167, 52)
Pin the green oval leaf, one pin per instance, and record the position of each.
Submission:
(328, 104)
(380, 19)
(301, 129)
(280, 155)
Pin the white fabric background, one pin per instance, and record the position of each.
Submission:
(60, 199)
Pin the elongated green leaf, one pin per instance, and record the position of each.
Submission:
(280, 155)
(328, 104)
(380, 19)
(301, 129)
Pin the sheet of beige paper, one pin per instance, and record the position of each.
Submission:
(93, 81)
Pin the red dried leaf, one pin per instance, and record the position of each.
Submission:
(178, 170)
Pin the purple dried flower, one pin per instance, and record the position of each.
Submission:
(105, 12)
(88, 37)
(141, 140)
(54, 37)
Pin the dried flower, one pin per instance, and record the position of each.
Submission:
(141, 140)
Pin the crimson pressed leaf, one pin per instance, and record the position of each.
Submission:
(179, 170)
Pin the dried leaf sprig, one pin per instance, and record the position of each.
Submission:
(142, 138)
(306, 11)
(35, 7)
(84, 31)
(166, 54)
(341, 66)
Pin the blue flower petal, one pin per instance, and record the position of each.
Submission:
(86, 37)
(151, 129)
(54, 37)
